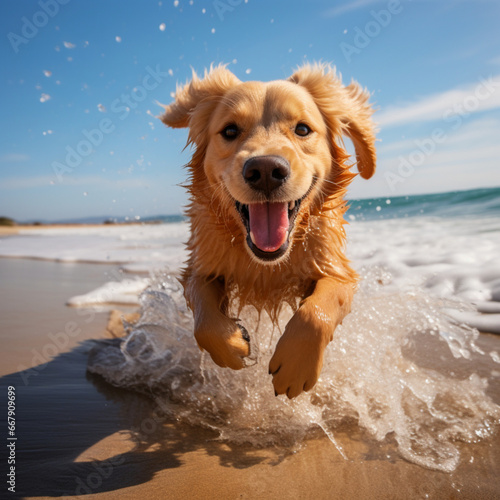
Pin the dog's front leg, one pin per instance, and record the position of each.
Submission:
(298, 358)
(227, 342)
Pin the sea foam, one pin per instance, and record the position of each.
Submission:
(375, 376)
(448, 257)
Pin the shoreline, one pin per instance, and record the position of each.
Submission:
(42, 288)
(68, 261)
(78, 435)
(485, 321)
(18, 228)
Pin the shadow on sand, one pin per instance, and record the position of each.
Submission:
(62, 411)
(78, 435)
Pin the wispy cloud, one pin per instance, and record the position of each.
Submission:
(474, 134)
(473, 140)
(480, 96)
(11, 183)
(14, 158)
(466, 159)
(348, 7)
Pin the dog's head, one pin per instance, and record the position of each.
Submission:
(273, 152)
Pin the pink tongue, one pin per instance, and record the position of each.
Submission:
(268, 225)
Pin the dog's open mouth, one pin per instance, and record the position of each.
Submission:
(269, 226)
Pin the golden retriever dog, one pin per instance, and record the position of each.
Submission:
(267, 181)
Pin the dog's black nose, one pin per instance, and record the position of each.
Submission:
(266, 173)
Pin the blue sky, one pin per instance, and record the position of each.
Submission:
(70, 70)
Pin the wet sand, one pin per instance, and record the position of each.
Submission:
(36, 324)
(77, 435)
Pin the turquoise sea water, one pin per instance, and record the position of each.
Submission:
(406, 368)
(475, 202)
(472, 203)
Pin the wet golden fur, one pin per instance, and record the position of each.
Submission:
(313, 276)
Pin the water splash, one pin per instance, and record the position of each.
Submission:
(400, 368)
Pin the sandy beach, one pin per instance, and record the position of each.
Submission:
(322, 177)
(10, 230)
(78, 435)
(17, 229)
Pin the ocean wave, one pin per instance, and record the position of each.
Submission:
(470, 203)
(400, 370)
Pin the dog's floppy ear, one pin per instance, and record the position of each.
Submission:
(345, 109)
(196, 100)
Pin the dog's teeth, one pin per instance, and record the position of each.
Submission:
(252, 237)
(291, 205)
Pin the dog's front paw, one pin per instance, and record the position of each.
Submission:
(228, 343)
(297, 360)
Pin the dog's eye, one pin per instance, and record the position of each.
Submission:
(230, 132)
(302, 129)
